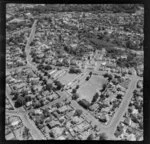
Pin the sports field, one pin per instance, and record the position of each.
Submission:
(89, 88)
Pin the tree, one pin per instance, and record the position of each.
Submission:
(49, 87)
(48, 67)
(24, 92)
(87, 78)
(90, 74)
(20, 102)
(58, 105)
(110, 77)
(36, 104)
(84, 103)
(58, 84)
(46, 113)
(74, 91)
(103, 88)
(23, 55)
(103, 136)
(119, 96)
(78, 112)
(26, 133)
(74, 70)
(95, 97)
(90, 137)
(115, 81)
(27, 98)
(77, 86)
(15, 96)
(75, 96)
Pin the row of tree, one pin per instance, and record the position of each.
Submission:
(116, 8)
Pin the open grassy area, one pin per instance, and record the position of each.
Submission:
(67, 78)
(89, 88)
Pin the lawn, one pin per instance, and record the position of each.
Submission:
(67, 78)
(89, 88)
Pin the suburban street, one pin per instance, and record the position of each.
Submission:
(36, 133)
(111, 127)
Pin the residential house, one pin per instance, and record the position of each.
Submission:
(53, 123)
(83, 126)
(29, 103)
(57, 131)
(77, 120)
(61, 138)
(10, 136)
(57, 115)
(63, 109)
(20, 85)
(84, 135)
(38, 111)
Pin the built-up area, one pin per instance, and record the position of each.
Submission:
(66, 79)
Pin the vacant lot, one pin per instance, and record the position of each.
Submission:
(89, 88)
(67, 78)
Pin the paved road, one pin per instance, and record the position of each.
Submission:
(27, 47)
(35, 132)
(123, 107)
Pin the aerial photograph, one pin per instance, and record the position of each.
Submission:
(74, 72)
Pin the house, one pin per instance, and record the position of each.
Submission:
(84, 135)
(118, 133)
(52, 124)
(61, 138)
(68, 125)
(38, 111)
(83, 126)
(29, 103)
(135, 111)
(37, 87)
(56, 114)
(72, 132)
(57, 131)
(10, 136)
(76, 120)
(15, 121)
(94, 107)
(21, 85)
(63, 109)
(34, 80)
(131, 137)
(127, 121)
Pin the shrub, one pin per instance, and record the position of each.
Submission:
(84, 103)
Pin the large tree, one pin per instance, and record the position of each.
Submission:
(84, 103)
(78, 112)
(49, 86)
(95, 97)
(75, 96)
(20, 101)
(103, 136)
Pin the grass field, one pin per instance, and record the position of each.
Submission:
(67, 78)
(89, 88)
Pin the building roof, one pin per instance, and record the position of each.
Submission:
(57, 131)
(10, 136)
